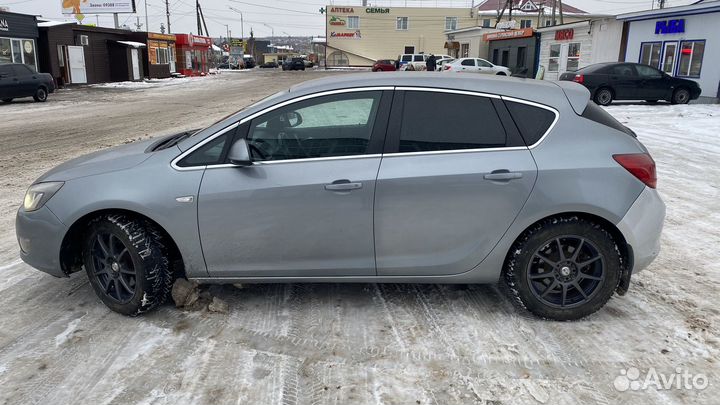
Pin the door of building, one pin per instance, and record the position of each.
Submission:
(562, 68)
(668, 58)
(171, 55)
(135, 64)
(76, 60)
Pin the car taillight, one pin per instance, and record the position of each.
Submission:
(579, 79)
(640, 165)
(447, 67)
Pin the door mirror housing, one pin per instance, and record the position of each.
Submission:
(239, 153)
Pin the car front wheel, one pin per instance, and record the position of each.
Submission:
(564, 268)
(127, 263)
(603, 96)
(681, 96)
(40, 94)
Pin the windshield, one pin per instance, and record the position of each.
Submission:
(262, 100)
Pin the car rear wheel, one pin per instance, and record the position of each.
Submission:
(681, 96)
(564, 268)
(501, 74)
(40, 94)
(603, 96)
(127, 263)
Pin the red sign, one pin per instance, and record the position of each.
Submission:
(523, 33)
(563, 35)
(342, 10)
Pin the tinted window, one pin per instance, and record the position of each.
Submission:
(468, 62)
(648, 72)
(442, 121)
(22, 70)
(418, 58)
(209, 154)
(623, 70)
(483, 63)
(532, 121)
(336, 125)
(6, 70)
(406, 58)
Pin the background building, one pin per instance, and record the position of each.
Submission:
(358, 36)
(528, 13)
(158, 55)
(18, 39)
(681, 41)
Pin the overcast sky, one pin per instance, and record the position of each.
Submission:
(284, 17)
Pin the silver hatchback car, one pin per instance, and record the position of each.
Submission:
(364, 178)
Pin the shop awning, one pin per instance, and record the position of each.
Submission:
(132, 44)
(452, 45)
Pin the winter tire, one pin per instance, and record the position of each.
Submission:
(127, 263)
(40, 94)
(681, 96)
(604, 96)
(563, 268)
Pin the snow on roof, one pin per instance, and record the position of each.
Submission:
(495, 5)
(216, 48)
(131, 43)
(50, 23)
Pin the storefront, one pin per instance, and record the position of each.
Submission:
(193, 54)
(514, 49)
(158, 55)
(83, 54)
(18, 39)
(679, 41)
(569, 47)
(467, 42)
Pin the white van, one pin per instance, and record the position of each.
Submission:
(417, 60)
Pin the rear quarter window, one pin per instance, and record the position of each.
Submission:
(594, 112)
(532, 121)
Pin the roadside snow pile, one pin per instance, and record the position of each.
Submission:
(149, 83)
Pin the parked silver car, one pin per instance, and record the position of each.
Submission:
(475, 65)
(420, 178)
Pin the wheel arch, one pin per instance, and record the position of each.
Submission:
(623, 247)
(71, 245)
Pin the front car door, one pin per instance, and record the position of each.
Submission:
(624, 81)
(450, 185)
(28, 80)
(484, 66)
(9, 83)
(653, 84)
(305, 206)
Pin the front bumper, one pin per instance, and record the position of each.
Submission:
(642, 225)
(40, 234)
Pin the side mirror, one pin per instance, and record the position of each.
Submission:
(239, 153)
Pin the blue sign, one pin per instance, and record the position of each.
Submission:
(670, 27)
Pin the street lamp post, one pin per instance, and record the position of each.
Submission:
(242, 29)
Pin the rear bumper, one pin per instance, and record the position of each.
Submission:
(642, 225)
(40, 234)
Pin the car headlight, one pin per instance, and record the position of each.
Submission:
(38, 194)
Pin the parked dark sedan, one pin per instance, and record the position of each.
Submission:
(632, 81)
(249, 62)
(384, 65)
(294, 64)
(269, 65)
(18, 80)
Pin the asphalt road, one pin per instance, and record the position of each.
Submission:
(341, 344)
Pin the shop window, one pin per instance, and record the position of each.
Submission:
(338, 58)
(5, 51)
(691, 57)
(521, 54)
(353, 22)
(161, 56)
(401, 23)
(486, 23)
(525, 23)
(451, 23)
(464, 50)
(17, 54)
(573, 59)
(650, 53)
(554, 61)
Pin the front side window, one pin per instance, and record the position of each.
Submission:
(406, 58)
(401, 23)
(326, 126)
(418, 58)
(650, 53)
(647, 72)
(554, 61)
(468, 62)
(691, 58)
(209, 154)
(483, 63)
(451, 23)
(353, 22)
(623, 70)
(573, 59)
(434, 121)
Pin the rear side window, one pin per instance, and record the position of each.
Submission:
(468, 62)
(418, 58)
(533, 122)
(444, 121)
(594, 112)
(406, 58)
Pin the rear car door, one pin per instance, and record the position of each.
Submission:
(468, 65)
(9, 83)
(305, 206)
(624, 81)
(27, 78)
(451, 182)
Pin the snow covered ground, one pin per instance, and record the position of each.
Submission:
(364, 343)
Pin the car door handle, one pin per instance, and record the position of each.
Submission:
(502, 175)
(343, 185)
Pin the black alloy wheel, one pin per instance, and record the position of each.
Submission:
(566, 271)
(113, 267)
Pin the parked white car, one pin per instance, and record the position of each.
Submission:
(442, 61)
(475, 65)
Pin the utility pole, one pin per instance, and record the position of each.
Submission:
(116, 20)
(554, 8)
(167, 14)
(147, 24)
(242, 28)
(562, 21)
(661, 3)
